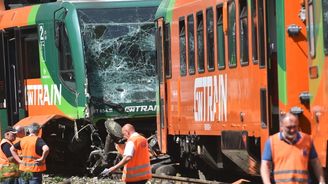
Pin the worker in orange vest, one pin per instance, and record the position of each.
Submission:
(8, 165)
(135, 160)
(288, 154)
(34, 154)
(19, 135)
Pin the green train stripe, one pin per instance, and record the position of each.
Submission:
(169, 12)
(319, 59)
(281, 50)
(32, 15)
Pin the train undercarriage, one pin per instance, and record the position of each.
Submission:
(206, 156)
(83, 148)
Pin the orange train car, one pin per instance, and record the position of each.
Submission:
(228, 69)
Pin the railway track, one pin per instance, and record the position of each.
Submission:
(165, 179)
(159, 179)
(115, 178)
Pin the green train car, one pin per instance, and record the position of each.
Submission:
(71, 65)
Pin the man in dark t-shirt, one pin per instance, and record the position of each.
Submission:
(34, 154)
(38, 148)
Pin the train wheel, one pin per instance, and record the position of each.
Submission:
(166, 170)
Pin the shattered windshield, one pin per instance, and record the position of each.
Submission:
(120, 53)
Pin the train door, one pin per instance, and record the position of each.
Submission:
(163, 64)
(3, 103)
(272, 66)
(13, 98)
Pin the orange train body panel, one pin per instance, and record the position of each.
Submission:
(40, 119)
(34, 109)
(14, 17)
(248, 96)
(242, 90)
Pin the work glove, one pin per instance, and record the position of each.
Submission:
(105, 172)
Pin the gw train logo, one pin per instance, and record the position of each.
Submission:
(43, 94)
(141, 108)
(210, 98)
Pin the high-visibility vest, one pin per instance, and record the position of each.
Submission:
(138, 168)
(290, 161)
(29, 155)
(7, 168)
(19, 152)
(120, 148)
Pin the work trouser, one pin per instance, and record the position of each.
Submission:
(36, 178)
(11, 180)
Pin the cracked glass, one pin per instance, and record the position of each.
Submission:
(120, 53)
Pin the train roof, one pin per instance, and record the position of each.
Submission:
(117, 3)
(27, 15)
(163, 9)
(93, 1)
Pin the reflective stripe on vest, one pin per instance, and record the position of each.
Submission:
(137, 175)
(287, 176)
(291, 171)
(32, 164)
(298, 180)
(29, 155)
(138, 168)
(290, 161)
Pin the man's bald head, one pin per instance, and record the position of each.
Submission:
(127, 130)
(287, 118)
(128, 127)
(289, 125)
(20, 131)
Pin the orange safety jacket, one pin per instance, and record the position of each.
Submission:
(138, 168)
(290, 160)
(19, 152)
(7, 168)
(120, 148)
(28, 145)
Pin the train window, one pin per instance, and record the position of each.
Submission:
(254, 32)
(260, 13)
(191, 44)
(30, 57)
(325, 24)
(66, 68)
(311, 28)
(167, 50)
(220, 38)
(210, 39)
(200, 42)
(232, 33)
(243, 32)
(263, 108)
(182, 43)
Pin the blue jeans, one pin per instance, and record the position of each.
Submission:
(10, 181)
(35, 179)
